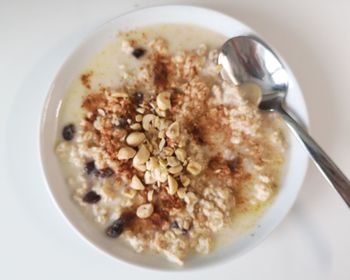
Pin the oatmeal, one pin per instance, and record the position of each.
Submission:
(159, 150)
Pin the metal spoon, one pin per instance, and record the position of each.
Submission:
(246, 59)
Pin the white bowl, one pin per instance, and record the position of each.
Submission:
(228, 26)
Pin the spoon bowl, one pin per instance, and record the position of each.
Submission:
(248, 60)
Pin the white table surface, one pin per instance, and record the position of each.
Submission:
(36, 242)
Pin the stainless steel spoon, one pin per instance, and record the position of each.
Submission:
(246, 59)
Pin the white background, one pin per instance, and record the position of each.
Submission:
(35, 241)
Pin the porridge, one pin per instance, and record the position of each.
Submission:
(160, 151)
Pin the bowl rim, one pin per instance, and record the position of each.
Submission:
(304, 118)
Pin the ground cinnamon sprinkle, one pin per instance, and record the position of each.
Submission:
(160, 72)
(86, 79)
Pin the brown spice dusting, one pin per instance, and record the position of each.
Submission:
(160, 70)
(86, 79)
(197, 133)
(159, 218)
(215, 162)
(229, 170)
(167, 202)
(129, 218)
(156, 221)
(126, 170)
(94, 101)
(176, 100)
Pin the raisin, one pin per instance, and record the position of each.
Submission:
(233, 164)
(122, 123)
(138, 52)
(138, 97)
(90, 167)
(174, 224)
(115, 229)
(91, 197)
(68, 132)
(105, 172)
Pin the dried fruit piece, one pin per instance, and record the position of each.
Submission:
(105, 172)
(232, 164)
(115, 229)
(91, 197)
(174, 224)
(118, 226)
(68, 132)
(122, 123)
(138, 52)
(90, 167)
(137, 97)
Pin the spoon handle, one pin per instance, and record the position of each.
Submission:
(324, 163)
